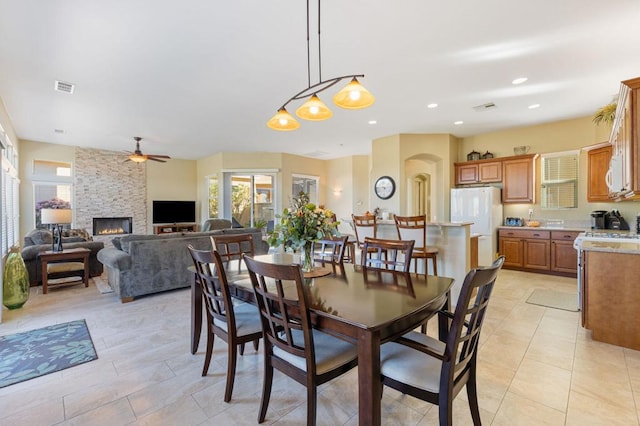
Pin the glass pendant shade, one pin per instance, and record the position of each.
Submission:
(314, 110)
(283, 121)
(354, 96)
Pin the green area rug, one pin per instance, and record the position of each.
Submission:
(554, 299)
(35, 353)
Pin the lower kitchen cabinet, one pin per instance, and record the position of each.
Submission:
(549, 252)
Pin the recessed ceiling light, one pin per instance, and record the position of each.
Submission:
(534, 106)
(519, 80)
(432, 105)
(58, 130)
(457, 123)
(373, 122)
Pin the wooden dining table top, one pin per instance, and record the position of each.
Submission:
(367, 301)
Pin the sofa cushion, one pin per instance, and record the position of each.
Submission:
(126, 240)
(83, 233)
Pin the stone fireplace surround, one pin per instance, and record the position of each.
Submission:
(106, 186)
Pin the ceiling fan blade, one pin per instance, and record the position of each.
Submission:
(155, 159)
(159, 156)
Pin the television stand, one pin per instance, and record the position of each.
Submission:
(175, 227)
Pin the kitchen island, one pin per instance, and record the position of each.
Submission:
(610, 296)
(454, 244)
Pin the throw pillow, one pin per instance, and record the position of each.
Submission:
(116, 243)
(41, 236)
(77, 233)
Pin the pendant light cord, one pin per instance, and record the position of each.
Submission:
(308, 50)
(319, 54)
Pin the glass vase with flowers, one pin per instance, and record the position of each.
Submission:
(300, 225)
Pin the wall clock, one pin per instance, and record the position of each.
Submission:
(385, 187)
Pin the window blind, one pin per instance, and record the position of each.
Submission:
(559, 180)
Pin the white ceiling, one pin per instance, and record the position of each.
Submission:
(199, 76)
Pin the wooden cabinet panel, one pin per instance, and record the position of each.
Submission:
(541, 250)
(466, 174)
(536, 254)
(598, 160)
(167, 229)
(564, 257)
(490, 172)
(518, 175)
(512, 250)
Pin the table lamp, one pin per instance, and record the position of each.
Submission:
(56, 218)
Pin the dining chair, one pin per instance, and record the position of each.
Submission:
(436, 370)
(415, 228)
(330, 250)
(364, 226)
(387, 254)
(236, 324)
(232, 247)
(291, 345)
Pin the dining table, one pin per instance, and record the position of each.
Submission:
(364, 307)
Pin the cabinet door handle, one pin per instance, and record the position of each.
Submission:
(536, 235)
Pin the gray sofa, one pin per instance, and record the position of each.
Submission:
(138, 265)
(39, 240)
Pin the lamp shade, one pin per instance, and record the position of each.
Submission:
(55, 216)
(283, 121)
(314, 110)
(354, 96)
(137, 158)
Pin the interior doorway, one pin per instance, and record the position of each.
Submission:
(421, 195)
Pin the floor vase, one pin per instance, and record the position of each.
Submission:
(15, 282)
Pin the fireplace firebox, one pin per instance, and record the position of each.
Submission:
(112, 225)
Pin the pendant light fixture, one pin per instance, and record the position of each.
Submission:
(352, 96)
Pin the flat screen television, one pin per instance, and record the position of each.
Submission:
(174, 211)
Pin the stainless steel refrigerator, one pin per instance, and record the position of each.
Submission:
(483, 207)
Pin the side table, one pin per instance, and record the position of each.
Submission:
(67, 263)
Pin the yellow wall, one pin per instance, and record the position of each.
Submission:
(565, 135)
(347, 188)
(173, 180)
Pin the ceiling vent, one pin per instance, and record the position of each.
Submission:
(316, 154)
(485, 107)
(64, 87)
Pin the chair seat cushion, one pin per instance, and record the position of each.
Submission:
(401, 363)
(330, 351)
(247, 320)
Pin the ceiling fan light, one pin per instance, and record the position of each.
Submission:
(283, 121)
(314, 110)
(354, 96)
(138, 158)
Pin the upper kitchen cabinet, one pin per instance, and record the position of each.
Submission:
(480, 171)
(623, 178)
(518, 178)
(598, 159)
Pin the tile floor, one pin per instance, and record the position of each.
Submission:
(536, 366)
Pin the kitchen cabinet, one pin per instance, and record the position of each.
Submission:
(481, 171)
(611, 298)
(518, 179)
(538, 250)
(598, 159)
(563, 255)
(623, 177)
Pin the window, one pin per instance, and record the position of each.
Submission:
(9, 200)
(249, 198)
(308, 184)
(213, 197)
(560, 180)
(54, 191)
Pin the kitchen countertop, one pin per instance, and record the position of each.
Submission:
(613, 246)
(547, 228)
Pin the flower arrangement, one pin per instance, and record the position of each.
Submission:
(301, 224)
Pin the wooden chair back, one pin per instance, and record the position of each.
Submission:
(412, 228)
(232, 247)
(282, 311)
(364, 226)
(330, 250)
(212, 278)
(387, 254)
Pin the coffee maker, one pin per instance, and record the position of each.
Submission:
(597, 219)
(613, 220)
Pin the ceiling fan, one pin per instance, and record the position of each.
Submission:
(138, 157)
